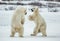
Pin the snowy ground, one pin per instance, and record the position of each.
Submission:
(53, 27)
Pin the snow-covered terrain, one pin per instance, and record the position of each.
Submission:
(52, 20)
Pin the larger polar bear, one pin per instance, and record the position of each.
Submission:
(18, 21)
(39, 21)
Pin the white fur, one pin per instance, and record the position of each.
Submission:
(39, 21)
(18, 21)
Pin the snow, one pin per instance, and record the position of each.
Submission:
(53, 27)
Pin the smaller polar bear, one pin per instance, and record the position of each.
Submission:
(18, 21)
(39, 21)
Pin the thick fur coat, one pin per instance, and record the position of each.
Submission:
(39, 21)
(18, 21)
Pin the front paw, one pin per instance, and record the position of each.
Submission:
(22, 23)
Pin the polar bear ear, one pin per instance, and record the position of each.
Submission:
(36, 10)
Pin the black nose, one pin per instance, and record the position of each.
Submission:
(25, 13)
(32, 10)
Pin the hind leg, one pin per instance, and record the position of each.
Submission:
(36, 30)
(43, 31)
(12, 33)
(35, 33)
(39, 31)
(21, 31)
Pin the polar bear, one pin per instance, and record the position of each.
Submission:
(39, 21)
(18, 21)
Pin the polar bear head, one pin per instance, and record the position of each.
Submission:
(34, 14)
(21, 10)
